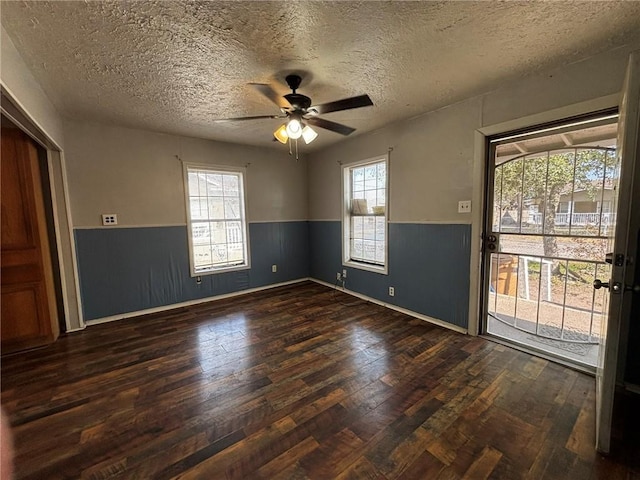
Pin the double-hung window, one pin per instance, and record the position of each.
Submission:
(217, 219)
(364, 224)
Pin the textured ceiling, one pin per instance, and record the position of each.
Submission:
(175, 66)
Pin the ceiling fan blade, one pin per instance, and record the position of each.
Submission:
(329, 125)
(344, 104)
(256, 117)
(271, 94)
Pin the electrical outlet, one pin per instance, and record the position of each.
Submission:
(274, 268)
(464, 206)
(392, 291)
(109, 219)
(338, 276)
(344, 273)
(198, 280)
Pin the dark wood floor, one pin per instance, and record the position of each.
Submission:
(292, 383)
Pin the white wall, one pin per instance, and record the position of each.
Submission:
(137, 175)
(432, 162)
(22, 86)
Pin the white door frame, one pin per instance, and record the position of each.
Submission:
(58, 183)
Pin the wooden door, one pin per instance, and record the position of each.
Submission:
(29, 316)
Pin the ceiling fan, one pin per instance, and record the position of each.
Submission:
(301, 114)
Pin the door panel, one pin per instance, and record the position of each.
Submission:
(29, 317)
(624, 244)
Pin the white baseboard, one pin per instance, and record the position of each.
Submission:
(163, 308)
(411, 313)
(75, 329)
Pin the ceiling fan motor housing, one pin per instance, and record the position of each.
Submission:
(298, 101)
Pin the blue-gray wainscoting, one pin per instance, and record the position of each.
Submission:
(428, 267)
(126, 270)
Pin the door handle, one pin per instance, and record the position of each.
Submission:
(598, 284)
(615, 287)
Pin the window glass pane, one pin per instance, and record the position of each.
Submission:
(356, 249)
(358, 227)
(497, 198)
(370, 177)
(214, 185)
(534, 185)
(202, 183)
(200, 233)
(235, 252)
(369, 253)
(219, 253)
(193, 183)
(202, 255)
(218, 233)
(557, 215)
(234, 232)
(511, 195)
(232, 208)
(231, 185)
(369, 228)
(216, 208)
(358, 180)
(370, 196)
(195, 210)
(382, 175)
(380, 228)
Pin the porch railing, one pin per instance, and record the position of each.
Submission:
(577, 218)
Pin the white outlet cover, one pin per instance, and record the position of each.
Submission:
(464, 206)
(109, 219)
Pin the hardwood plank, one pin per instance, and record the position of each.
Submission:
(484, 464)
(291, 383)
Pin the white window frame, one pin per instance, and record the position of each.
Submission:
(347, 215)
(218, 169)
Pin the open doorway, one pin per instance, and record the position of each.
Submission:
(551, 207)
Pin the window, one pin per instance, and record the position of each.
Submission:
(217, 219)
(365, 219)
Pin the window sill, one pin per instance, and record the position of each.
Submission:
(367, 267)
(219, 270)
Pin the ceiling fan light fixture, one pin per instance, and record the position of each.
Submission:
(281, 134)
(294, 128)
(309, 134)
